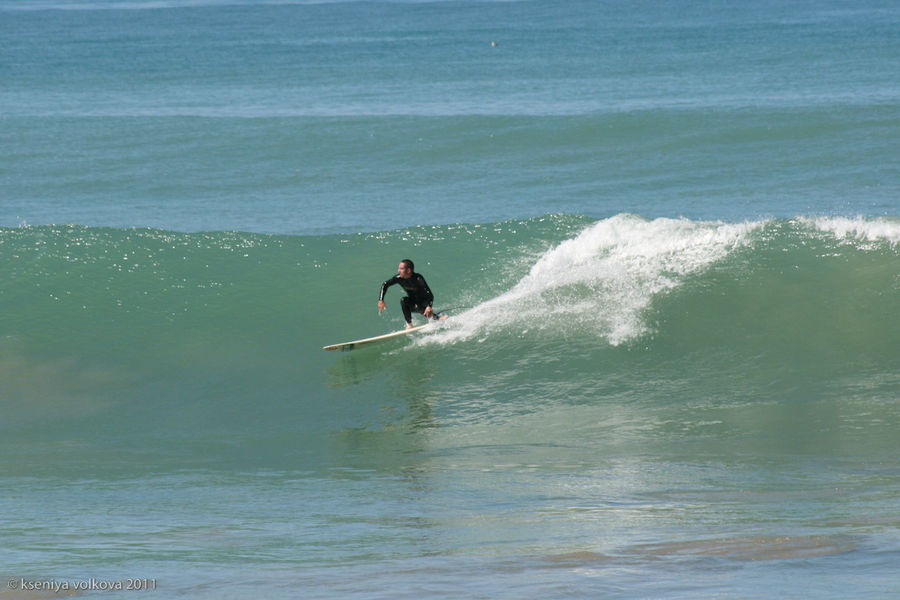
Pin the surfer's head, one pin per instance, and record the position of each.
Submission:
(406, 268)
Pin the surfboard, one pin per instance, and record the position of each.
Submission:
(344, 347)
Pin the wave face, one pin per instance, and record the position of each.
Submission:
(102, 323)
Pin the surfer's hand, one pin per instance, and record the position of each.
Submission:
(428, 312)
(380, 306)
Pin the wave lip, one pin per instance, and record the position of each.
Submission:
(604, 279)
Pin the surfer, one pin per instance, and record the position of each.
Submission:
(418, 295)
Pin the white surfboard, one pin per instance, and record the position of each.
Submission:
(373, 340)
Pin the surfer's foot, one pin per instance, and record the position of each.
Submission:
(442, 317)
(409, 325)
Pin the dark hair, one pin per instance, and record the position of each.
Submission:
(409, 264)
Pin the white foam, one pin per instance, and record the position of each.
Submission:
(859, 228)
(603, 280)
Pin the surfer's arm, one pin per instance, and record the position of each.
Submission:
(384, 287)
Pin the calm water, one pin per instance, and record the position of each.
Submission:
(668, 235)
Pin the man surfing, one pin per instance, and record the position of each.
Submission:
(418, 295)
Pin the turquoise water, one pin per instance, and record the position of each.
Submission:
(668, 238)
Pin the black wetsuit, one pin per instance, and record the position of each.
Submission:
(418, 295)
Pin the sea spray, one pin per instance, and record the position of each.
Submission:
(604, 279)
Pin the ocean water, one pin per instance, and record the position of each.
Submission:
(667, 234)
